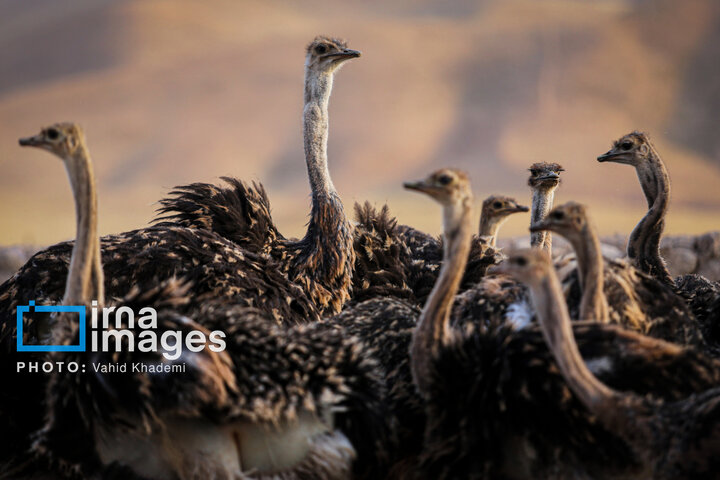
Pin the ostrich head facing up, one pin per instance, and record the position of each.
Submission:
(545, 175)
(447, 186)
(632, 149)
(326, 54)
(566, 219)
(61, 139)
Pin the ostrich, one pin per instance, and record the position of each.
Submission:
(217, 268)
(426, 251)
(384, 265)
(495, 404)
(322, 261)
(275, 403)
(278, 403)
(672, 439)
(544, 180)
(643, 248)
(617, 292)
(496, 209)
(21, 404)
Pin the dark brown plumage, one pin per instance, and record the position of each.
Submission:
(322, 261)
(497, 407)
(381, 258)
(426, 259)
(217, 269)
(268, 379)
(672, 438)
(239, 212)
(614, 291)
(267, 402)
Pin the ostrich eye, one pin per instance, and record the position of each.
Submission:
(521, 261)
(52, 134)
(444, 179)
(321, 49)
(626, 145)
(497, 205)
(558, 215)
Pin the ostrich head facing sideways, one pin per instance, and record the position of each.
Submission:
(60, 139)
(631, 149)
(643, 247)
(496, 209)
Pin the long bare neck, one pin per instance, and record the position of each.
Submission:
(85, 276)
(621, 413)
(326, 256)
(490, 225)
(593, 305)
(542, 202)
(318, 87)
(644, 243)
(553, 315)
(433, 329)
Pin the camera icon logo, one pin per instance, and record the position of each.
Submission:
(79, 309)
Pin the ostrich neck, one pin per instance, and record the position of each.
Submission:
(433, 329)
(644, 243)
(593, 305)
(555, 321)
(542, 202)
(315, 131)
(622, 413)
(85, 278)
(326, 258)
(489, 227)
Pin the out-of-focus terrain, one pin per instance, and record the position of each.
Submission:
(176, 91)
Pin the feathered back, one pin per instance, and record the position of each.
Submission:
(239, 212)
(381, 258)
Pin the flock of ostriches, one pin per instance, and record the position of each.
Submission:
(366, 349)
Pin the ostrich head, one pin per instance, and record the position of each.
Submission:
(567, 220)
(632, 149)
(447, 186)
(325, 54)
(499, 206)
(527, 265)
(61, 139)
(545, 176)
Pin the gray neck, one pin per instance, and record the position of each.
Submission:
(489, 227)
(85, 277)
(644, 243)
(542, 202)
(555, 321)
(593, 305)
(315, 130)
(433, 329)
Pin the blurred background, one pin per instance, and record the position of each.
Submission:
(174, 91)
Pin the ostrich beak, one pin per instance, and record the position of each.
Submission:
(419, 186)
(550, 176)
(346, 54)
(520, 208)
(34, 141)
(607, 156)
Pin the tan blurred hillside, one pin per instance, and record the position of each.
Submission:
(175, 91)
